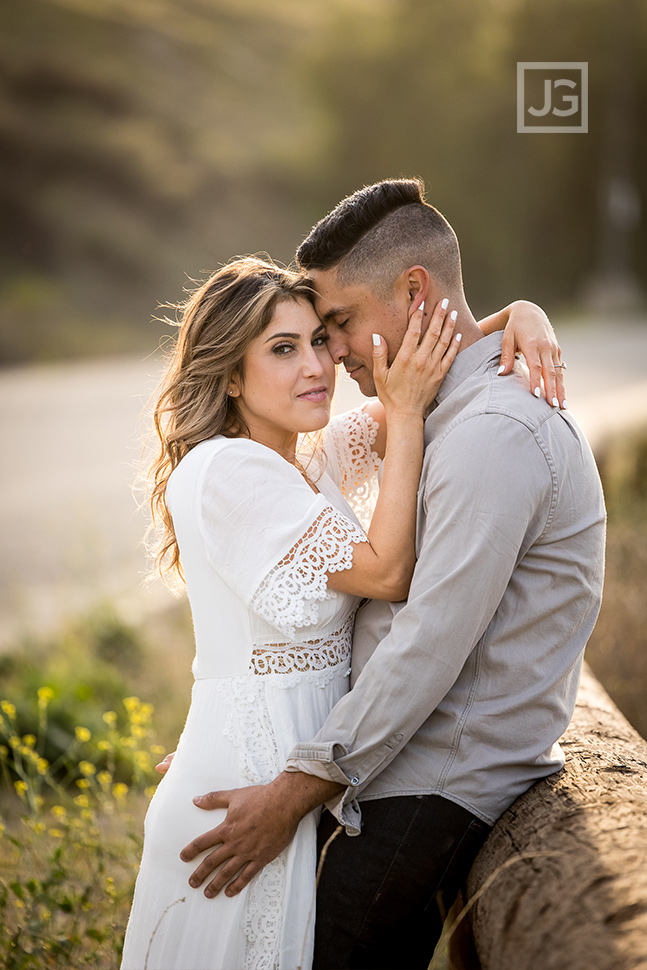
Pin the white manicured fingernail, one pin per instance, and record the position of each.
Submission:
(422, 307)
(564, 406)
(537, 392)
(555, 402)
(444, 304)
(459, 337)
(453, 315)
(376, 340)
(501, 369)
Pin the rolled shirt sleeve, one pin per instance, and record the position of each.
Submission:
(488, 495)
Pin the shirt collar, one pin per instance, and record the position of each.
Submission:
(473, 358)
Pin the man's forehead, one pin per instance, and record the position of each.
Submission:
(329, 311)
(331, 297)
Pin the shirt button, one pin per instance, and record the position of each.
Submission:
(354, 780)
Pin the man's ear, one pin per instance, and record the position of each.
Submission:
(417, 283)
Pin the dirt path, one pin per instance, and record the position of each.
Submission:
(69, 524)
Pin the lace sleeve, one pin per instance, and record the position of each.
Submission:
(289, 594)
(349, 444)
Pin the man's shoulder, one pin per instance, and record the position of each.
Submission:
(485, 403)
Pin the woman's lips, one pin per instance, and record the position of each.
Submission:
(317, 394)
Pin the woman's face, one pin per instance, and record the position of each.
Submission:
(289, 377)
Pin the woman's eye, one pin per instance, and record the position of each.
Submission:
(282, 349)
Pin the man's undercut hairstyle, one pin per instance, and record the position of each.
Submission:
(377, 233)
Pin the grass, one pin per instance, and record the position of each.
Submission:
(77, 752)
(71, 836)
(617, 650)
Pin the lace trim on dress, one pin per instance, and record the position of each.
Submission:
(354, 437)
(249, 727)
(288, 596)
(311, 655)
(264, 916)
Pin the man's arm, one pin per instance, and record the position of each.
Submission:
(261, 821)
(487, 496)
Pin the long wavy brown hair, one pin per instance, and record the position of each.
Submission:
(218, 322)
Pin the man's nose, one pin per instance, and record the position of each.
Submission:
(337, 346)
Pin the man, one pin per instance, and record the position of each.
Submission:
(461, 693)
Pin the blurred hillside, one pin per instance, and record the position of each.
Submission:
(145, 141)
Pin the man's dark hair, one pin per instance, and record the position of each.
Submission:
(378, 232)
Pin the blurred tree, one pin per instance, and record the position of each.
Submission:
(147, 140)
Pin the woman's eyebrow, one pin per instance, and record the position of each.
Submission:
(295, 336)
(292, 336)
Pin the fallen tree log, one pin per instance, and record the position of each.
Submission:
(561, 883)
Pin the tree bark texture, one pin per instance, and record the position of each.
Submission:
(561, 883)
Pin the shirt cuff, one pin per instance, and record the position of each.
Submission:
(319, 760)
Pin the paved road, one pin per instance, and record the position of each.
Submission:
(69, 524)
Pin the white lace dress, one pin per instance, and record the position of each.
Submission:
(272, 657)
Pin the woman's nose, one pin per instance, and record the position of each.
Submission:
(313, 364)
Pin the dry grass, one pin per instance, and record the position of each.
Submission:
(617, 651)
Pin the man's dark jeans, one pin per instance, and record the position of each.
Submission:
(383, 895)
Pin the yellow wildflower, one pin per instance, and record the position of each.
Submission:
(105, 779)
(131, 704)
(45, 695)
(9, 709)
(87, 768)
(82, 734)
(120, 790)
(14, 741)
(138, 732)
(21, 788)
(42, 765)
(150, 791)
(29, 740)
(59, 811)
(57, 833)
(110, 717)
(82, 783)
(142, 760)
(104, 745)
(82, 801)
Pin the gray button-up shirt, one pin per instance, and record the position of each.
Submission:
(465, 690)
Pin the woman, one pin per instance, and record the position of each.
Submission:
(275, 560)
